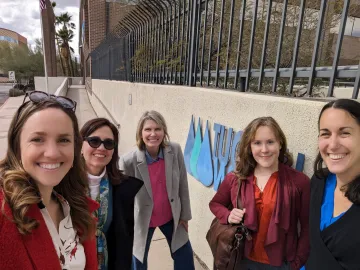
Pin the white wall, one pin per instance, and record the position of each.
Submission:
(297, 117)
(77, 80)
(53, 83)
(63, 88)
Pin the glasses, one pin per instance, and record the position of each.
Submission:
(39, 96)
(95, 142)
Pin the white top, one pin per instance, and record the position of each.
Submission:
(94, 184)
(67, 243)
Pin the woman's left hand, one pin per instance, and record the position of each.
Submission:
(185, 224)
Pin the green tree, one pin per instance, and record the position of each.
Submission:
(25, 61)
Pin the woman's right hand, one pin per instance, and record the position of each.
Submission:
(236, 216)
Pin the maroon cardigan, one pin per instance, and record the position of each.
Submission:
(284, 241)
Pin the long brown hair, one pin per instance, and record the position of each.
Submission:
(20, 191)
(245, 162)
(112, 168)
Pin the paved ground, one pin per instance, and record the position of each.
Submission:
(159, 255)
(4, 92)
(7, 111)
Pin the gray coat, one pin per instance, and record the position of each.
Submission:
(134, 164)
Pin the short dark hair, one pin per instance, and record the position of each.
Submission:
(352, 189)
(112, 169)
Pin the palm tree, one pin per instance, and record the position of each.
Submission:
(65, 34)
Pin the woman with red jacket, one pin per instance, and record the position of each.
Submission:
(274, 196)
(45, 215)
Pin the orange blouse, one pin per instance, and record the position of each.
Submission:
(265, 204)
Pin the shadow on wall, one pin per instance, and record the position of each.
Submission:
(210, 167)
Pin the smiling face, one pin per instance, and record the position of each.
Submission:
(97, 158)
(47, 147)
(152, 134)
(339, 142)
(265, 148)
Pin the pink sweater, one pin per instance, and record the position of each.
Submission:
(161, 213)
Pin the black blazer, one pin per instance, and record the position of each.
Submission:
(120, 236)
(337, 246)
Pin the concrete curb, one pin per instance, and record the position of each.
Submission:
(4, 103)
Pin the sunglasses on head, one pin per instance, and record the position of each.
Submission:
(95, 142)
(39, 96)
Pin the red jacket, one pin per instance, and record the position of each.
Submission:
(283, 241)
(35, 251)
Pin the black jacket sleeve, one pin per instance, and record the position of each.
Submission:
(120, 236)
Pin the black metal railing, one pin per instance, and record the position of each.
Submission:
(249, 45)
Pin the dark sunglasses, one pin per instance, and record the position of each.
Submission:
(39, 96)
(95, 142)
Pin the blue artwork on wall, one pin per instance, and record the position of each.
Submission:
(189, 146)
(210, 167)
(204, 164)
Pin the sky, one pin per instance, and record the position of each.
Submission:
(23, 17)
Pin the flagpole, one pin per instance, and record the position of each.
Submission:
(43, 46)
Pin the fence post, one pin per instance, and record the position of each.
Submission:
(192, 59)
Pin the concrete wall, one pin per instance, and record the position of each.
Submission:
(53, 83)
(297, 117)
(63, 88)
(77, 80)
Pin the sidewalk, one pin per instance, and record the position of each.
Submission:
(84, 110)
(7, 111)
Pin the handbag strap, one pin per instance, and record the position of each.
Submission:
(240, 206)
(238, 198)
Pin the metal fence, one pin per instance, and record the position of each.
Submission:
(111, 60)
(248, 45)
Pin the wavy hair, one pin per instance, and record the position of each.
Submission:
(158, 119)
(112, 168)
(352, 189)
(245, 162)
(21, 192)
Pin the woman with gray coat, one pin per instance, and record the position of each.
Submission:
(163, 201)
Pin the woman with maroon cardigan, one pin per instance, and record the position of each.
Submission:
(275, 198)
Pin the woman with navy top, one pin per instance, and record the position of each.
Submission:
(114, 191)
(335, 189)
(163, 201)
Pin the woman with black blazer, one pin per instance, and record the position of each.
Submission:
(114, 191)
(335, 190)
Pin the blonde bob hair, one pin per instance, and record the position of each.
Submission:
(158, 119)
(245, 162)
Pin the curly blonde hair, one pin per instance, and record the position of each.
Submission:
(20, 191)
(245, 162)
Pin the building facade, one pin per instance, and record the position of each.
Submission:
(97, 18)
(12, 37)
